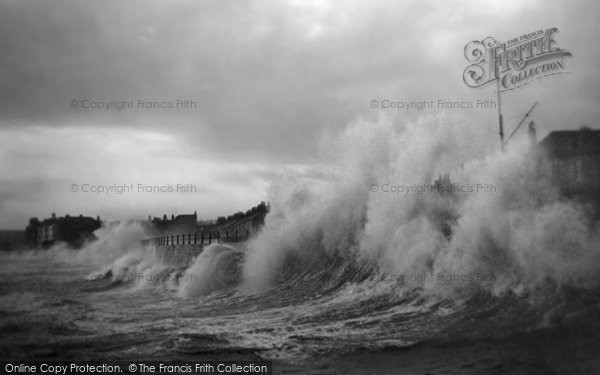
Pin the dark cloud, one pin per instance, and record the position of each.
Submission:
(268, 78)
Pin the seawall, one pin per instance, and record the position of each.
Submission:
(178, 255)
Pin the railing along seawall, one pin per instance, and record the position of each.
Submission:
(193, 239)
(186, 239)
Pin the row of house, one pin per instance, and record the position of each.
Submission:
(236, 227)
(73, 230)
(240, 227)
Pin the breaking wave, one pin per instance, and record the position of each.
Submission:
(516, 235)
(356, 253)
(216, 268)
(355, 222)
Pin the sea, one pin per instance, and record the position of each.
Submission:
(346, 276)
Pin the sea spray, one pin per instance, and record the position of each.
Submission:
(113, 241)
(505, 239)
(215, 269)
(119, 255)
(340, 267)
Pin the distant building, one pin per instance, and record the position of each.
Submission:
(237, 227)
(241, 226)
(177, 224)
(574, 156)
(74, 230)
(443, 185)
(443, 214)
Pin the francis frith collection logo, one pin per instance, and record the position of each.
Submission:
(516, 62)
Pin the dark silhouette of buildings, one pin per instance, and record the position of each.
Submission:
(74, 230)
(443, 184)
(574, 157)
(237, 227)
(179, 223)
(242, 225)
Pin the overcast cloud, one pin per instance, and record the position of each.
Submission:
(269, 79)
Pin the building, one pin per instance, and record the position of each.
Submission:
(73, 230)
(574, 157)
(237, 227)
(242, 226)
(177, 224)
(443, 185)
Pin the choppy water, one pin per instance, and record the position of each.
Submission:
(342, 279)
(329, 313)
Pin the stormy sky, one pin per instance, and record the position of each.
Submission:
(265, 79)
